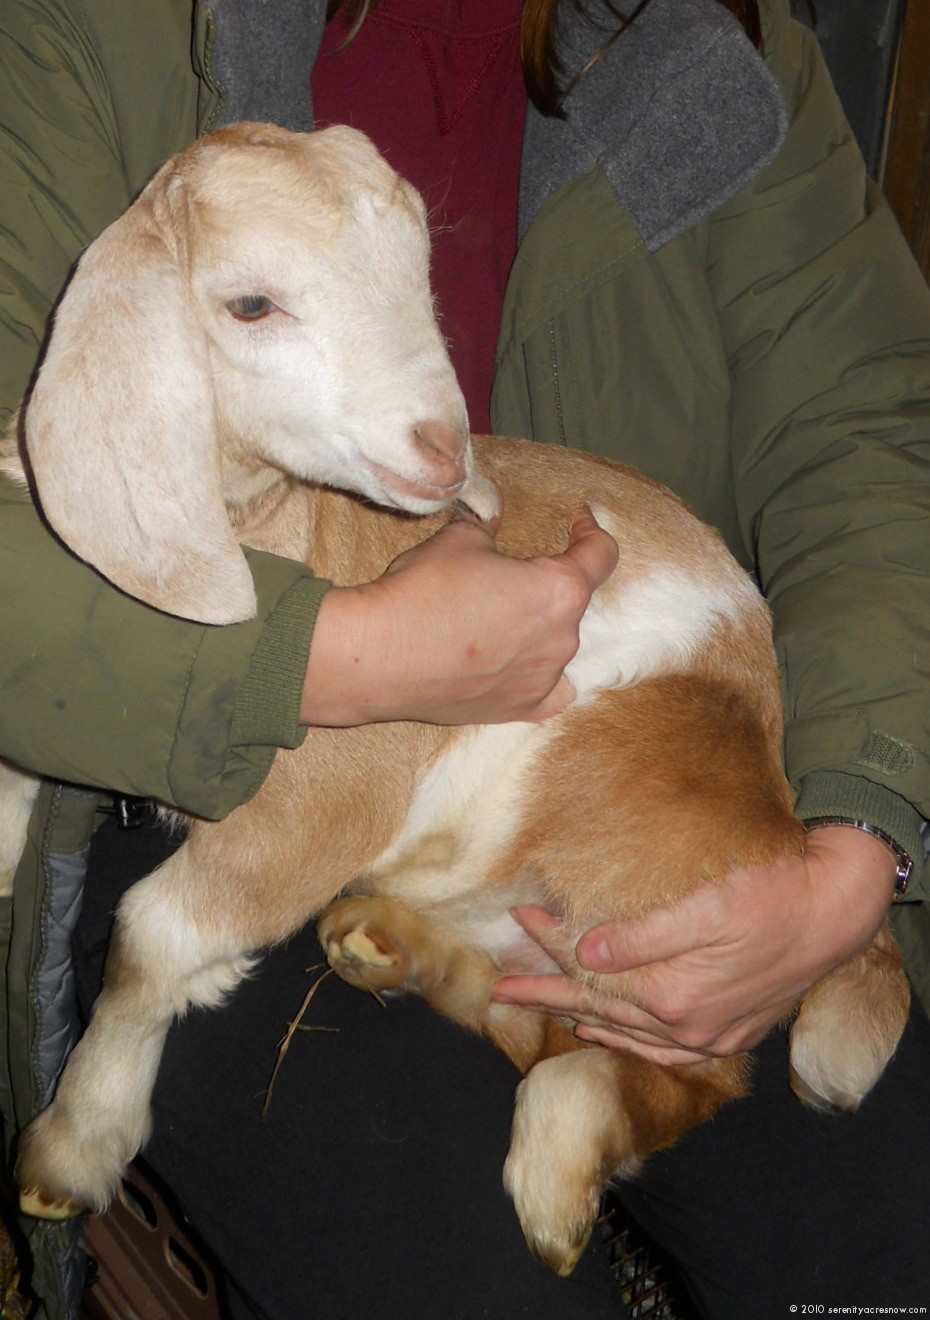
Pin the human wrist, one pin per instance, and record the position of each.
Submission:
(853, 878)
(903, 862)
(341, 688)
(834, 793)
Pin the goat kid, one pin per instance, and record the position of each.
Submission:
(254, 332)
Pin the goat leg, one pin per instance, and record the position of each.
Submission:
(162, 960)
(378, 944)
(848, 1027)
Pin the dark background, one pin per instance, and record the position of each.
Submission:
(878, 52)
(859, 40)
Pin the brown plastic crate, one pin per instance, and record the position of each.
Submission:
(147, 1266)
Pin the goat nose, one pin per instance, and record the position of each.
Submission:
(443, 449)
(437, 440)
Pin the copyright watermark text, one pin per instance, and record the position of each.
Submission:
(818, 1309)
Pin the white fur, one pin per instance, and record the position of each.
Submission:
(568, 1113)
(652, 626)
(198, 967)
(204, 409)
(100, 1116)
(459, 799)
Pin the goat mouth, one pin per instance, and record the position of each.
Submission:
(404, 491)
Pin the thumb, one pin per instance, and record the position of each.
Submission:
(623, 946)
(463, 512)
(592, 550)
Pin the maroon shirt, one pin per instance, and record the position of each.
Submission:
(438, 88)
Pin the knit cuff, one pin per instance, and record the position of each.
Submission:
(267, 710)
(831, 793)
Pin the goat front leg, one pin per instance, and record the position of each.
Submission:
(162, 961)
(377, 944)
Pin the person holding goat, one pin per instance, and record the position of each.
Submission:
(705, 286)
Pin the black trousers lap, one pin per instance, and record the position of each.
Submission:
(373, 1184)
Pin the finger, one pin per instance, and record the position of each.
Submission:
(596, 1028)
(591, 549)
(659, 1052)
(465, 522)
(542, 927)
(462, 534)
(586, 1028)
(547, 994)
(562, 996)
(562, 695)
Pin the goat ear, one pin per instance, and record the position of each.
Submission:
(120, 432)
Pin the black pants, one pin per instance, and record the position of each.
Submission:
(373, 1185)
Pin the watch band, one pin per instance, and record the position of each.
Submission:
(905, 863)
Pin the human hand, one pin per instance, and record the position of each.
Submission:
(711, 976)
(456, 633)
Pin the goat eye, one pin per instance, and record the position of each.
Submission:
(251, 307)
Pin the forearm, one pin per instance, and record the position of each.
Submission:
(103, 691)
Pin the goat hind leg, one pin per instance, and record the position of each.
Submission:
(585, 1115)
(848, 1027)
(73, 1155)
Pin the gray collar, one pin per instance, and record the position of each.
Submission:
(680, 113)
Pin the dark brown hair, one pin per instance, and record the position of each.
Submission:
(537, 37)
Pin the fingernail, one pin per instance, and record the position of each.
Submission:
(595, 954)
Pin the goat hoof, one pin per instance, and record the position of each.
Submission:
(557, 1205)
(570, 1129)
(361, 953)
(42, 1205)
(64, 1168)
(556, 1241)
(563, 1260)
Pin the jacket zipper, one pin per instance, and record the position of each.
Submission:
(556, 385)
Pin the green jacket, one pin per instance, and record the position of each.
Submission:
(708, 287)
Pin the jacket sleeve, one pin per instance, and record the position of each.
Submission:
(826, 325)
(101, 690)
(98, 689)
